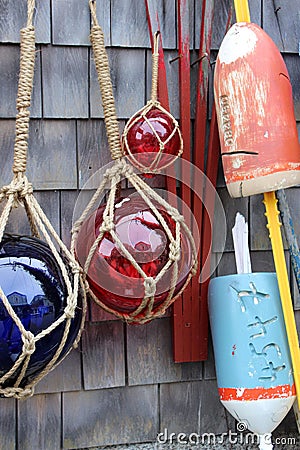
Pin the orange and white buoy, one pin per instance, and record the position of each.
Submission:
(257, 127)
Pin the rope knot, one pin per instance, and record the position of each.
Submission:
(28, 343)
(150, 287)
(107, 224)
(70, 311)
(75, 267)
(18, 188)
(18, 393)
(174, 251)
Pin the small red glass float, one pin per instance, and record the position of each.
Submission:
(33, 284)
(146, 236)
(151, 139)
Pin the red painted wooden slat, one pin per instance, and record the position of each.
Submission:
(189, 342)
(183, 308)
(213, 154)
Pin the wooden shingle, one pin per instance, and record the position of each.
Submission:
(70, 22)
(103, 355)
(110, 416)
(127, 68)
(52, 154)
(8, 423)
(65, 377)
(93, 150)
(39, 419)
(150, 357)
(9, 75)
(293, 66)
(14, 15)
(135, 33)
(281, 20)
(65, 82)
(192, 408)
(231, 207)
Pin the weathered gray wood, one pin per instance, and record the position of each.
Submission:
(209, 364)
(293, 66)
(7, 424)
(259, 235)
(133, 31)
(9, 75)
(220, 19)
(295, 291)
(172, 80)
(191, 408)
(262, 261)
(71, 22)
(93, 149)
(67, 203)
(103, 355)
(7, 128)
(65, 377)
(231, 207)
(52, 154)
(13, 17)
(39, 419)
(127, 70)
(213, 414)
(98, 314)
(281, 20)
(227, 264)
(150, 356)
(110, 416)
(65, 82)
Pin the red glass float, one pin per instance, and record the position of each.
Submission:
(31, 280)
(151, 139)
(112, 277)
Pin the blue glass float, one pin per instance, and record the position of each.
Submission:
(32, 281)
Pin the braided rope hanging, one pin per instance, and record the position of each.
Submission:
(20, 193)
(146, 310)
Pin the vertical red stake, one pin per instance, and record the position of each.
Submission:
(189, 343)
(184, 307)
(213, 155)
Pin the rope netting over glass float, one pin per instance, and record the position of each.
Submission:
(42, 306)
(137, 252)
(151, 138)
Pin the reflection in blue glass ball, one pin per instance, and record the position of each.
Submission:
(32, 281)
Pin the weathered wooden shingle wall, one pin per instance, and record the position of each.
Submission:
(121, 385)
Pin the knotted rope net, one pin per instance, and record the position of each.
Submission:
(110, 182)
(156, 163)
(20, 193)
